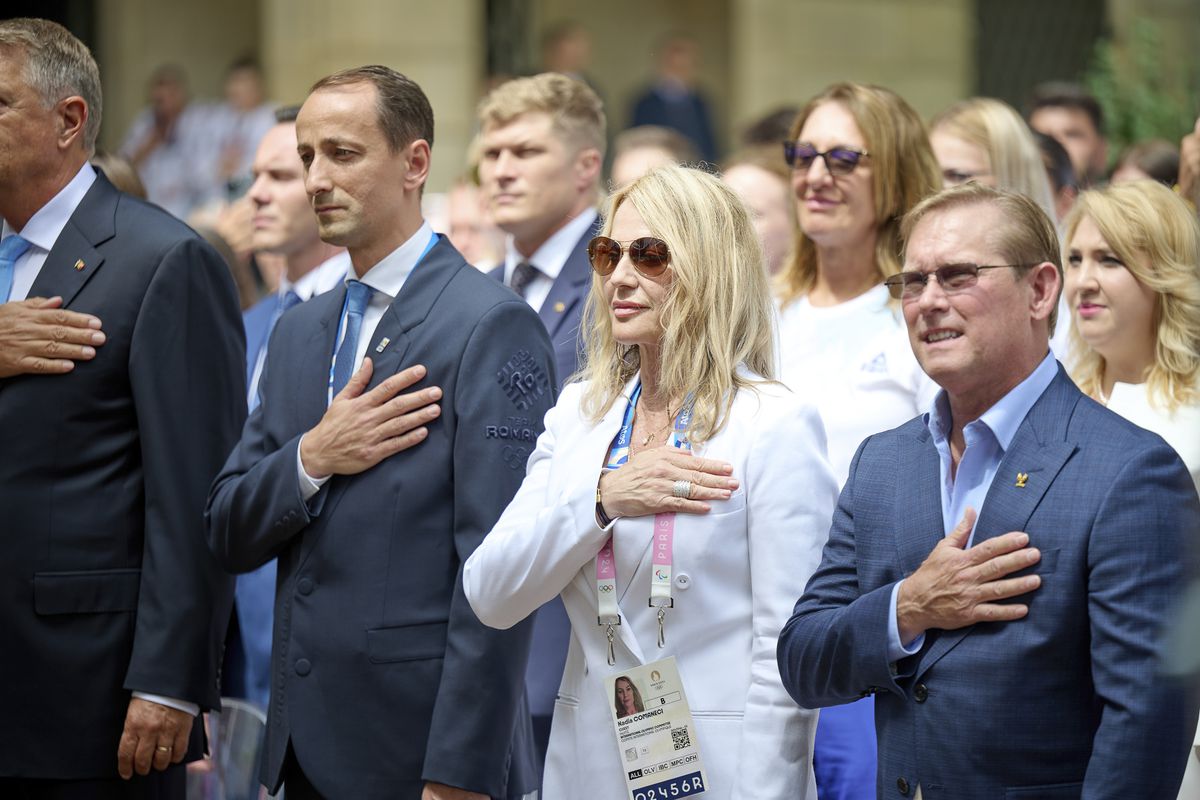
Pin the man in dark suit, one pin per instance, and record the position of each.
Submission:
(385, 683)
(286, 228)
(673, 100)
(1013, 652)
(113, 610)
(543, 142)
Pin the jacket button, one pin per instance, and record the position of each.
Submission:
(902, 785)
(683, 580)
(921, 693)
(305, 586)
(303, 667)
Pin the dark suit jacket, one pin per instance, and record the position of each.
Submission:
(563, 309)
(689, 115)
(1065, 703)
(257, 322)
(384, 677)
(107, 585)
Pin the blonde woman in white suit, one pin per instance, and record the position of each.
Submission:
(679, 353)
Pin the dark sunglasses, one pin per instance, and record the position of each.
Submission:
(838, 160)
(649, 255)
(952, 278)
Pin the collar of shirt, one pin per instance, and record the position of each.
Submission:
(1005, 416)
(388, 276)
(44, 227)
(551, 256)
(319, 279)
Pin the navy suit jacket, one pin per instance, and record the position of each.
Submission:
(257, 322)
(107, 584)
(563, 309)
(1065, 703)
(384, 678)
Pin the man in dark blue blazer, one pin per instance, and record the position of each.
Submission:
(386, 685)
(1013, 652)
(284, 227)
(673, 101)
(543, 142)
(113, 610)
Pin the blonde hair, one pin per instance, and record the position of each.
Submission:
(1156, 236)
(996, 128)
(717, 316)
(903, 170)
(576, 110)
(1028, 239)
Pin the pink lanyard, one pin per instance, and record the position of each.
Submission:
(662, 547)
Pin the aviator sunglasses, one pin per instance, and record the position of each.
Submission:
(838, 160)
(649, 255)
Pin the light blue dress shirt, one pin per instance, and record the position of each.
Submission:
(987, 439)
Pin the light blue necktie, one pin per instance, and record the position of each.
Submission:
(357, 296)
(11, 249)
(290, 300)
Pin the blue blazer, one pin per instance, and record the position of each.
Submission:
(257, 321)
(1065, 703)
(563, 309)
(108, 585)
(384, 678)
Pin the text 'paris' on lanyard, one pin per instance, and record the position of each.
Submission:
(663, 546)
(337, 339)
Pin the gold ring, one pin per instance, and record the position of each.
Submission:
(163, 749)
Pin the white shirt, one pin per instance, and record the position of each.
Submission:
(44, 228)
(854, 362)
(42, 231)
(320, 279)
(549, 258)
(1179, 427)
(387, 278)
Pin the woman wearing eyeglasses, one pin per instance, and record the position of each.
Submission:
(674, 422)
(860, 160)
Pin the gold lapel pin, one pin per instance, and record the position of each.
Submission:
(560, 307)
(79, 265)
(1021, 478)
(384, 342)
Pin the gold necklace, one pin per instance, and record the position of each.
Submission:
(654, 434)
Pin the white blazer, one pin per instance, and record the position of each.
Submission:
(738, 571)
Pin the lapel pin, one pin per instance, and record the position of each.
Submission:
(560, 307)
(384, 342)
(1021, 478)
(79, 265)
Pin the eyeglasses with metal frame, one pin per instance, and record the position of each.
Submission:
(649, 255)
(951, 277)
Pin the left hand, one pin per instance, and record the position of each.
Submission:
(440, 791)
(149, 726)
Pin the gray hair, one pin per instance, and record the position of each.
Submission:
(57, 66)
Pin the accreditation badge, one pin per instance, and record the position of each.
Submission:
(656, 734)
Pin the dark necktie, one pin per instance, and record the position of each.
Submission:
(522, 276)
(357, 296)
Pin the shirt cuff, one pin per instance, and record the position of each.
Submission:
(896, 648)
(309, 485)
(169, 702)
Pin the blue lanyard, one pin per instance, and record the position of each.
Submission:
(618, 453)
(337, 339)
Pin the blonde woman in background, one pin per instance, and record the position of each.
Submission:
(860, 159)
(985, 140)
(679, 355)
(1132, 264)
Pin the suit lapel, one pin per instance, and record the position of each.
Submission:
(1039, 450)
(919, 523)
(569, 289)
(74, 258)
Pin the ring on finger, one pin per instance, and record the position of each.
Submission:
(682, 490)
(164, 749)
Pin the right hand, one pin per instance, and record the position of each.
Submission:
(38, 336)
(360, 430)
(956, 587)
(643, 486)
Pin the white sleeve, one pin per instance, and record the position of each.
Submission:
(791, 493)
(544, 536)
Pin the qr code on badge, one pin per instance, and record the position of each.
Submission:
(680, 738)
